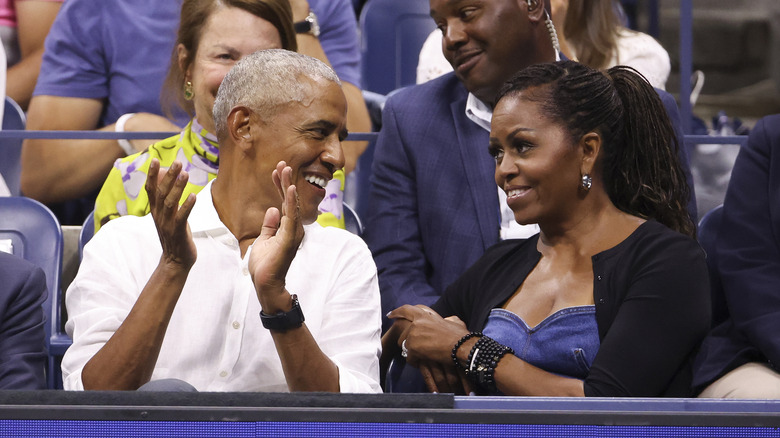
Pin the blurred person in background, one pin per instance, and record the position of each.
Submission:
(104, 67)
(24, 25)
(589, 31)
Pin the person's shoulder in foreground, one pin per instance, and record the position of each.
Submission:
(22, 344)
(738, 358)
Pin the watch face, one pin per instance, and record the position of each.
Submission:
(314, 25)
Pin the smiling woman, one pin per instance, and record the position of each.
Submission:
(213, 36)
(611, 298)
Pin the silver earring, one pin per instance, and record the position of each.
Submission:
(587, 182)
(553, 35)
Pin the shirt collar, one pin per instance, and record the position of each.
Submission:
(479, 112)
(204, 217)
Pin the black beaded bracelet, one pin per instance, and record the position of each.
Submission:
(457, 346)
(486, 355)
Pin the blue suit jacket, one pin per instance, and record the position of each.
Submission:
(22, 337)
(433, 207)
(748, 254)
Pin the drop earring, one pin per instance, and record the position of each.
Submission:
(587, 182)
(188, 94)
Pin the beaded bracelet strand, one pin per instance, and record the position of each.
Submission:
(486, 355)
(458, 345)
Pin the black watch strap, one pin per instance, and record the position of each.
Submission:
(284, 320)
(302, 26)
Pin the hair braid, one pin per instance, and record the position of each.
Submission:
(645, 176)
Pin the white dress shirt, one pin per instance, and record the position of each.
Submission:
(215, 340)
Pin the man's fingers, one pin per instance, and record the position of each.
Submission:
(276, 177)
(152, 181)
(164, 186)
(185, 209)
(177, 188)
(161, 175)
(271, 222)
(290, 214)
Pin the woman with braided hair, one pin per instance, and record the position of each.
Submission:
(611, 298)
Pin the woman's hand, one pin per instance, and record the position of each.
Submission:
(178, 248)
(428, 340)
(274, 249)
(429, 336)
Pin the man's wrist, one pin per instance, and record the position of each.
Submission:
(308, 26)
(278, 300)
(283, 320)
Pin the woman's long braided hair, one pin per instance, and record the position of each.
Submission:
(641, 168)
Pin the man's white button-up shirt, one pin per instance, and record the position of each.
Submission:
(215, 340)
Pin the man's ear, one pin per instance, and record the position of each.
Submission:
(590, 145)
(535, 9)
(240, 128)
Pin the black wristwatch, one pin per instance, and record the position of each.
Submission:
(309, 25)
(284, 320)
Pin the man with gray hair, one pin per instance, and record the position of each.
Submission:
(213, 294)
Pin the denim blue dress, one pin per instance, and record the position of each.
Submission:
(564, 343)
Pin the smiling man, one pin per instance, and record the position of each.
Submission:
(213, 294)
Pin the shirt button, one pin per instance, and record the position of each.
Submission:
(236, 325)
(601, 300)
(245, 271)
(598, 277)
(223, 374)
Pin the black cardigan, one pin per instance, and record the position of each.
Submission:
(652, 307)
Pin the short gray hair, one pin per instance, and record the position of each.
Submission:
(265, 80)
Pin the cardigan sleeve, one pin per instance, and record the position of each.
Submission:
(663, 315)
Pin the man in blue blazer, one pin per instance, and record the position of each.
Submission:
(434, 204)
(22, 337)
(742, 354)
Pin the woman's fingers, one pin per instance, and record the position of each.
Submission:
(430, 381)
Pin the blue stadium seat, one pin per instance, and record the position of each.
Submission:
(11, 148)
(87, 231)
(392, 33)
(708, 238)
(36, 236)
